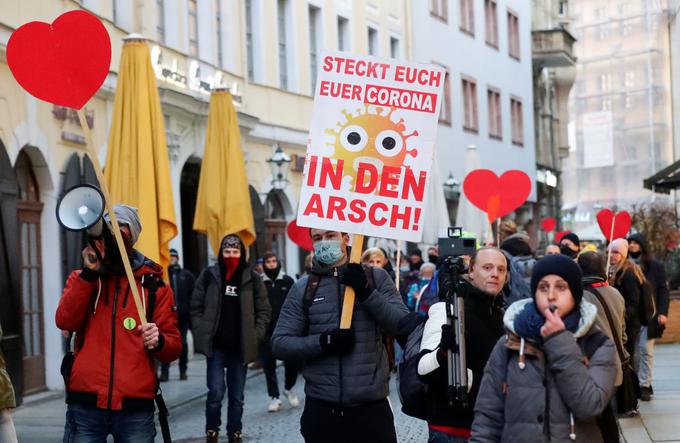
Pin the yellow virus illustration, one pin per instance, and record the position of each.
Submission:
(372, 138)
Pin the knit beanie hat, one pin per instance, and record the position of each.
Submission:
(564, 267)
(574, 239)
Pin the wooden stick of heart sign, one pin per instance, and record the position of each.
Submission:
(348, 301)
(609, 249)
(65, 63)
(616, 225)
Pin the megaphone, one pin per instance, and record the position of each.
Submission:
(81, 209)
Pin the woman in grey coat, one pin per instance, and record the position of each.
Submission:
(553, 373)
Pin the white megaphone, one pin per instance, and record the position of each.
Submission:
(81, 209)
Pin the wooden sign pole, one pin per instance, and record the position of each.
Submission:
(609, 248)
(348, 303)
(92, 152)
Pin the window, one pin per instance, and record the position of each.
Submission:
(467, 16)
(193, 27)
(160, 21)
(603, 31)
(517, 121)
(513, 35)
(605, 82)
(445, 110)
(250, 50)
(343, 34)
(218, 27)
(629, 80)
(606, 104)
(626, 27)
(562, 8)
(470, 122)
(314, 24)
(491, 15)
(395, 47)
(438, 8)
(494, 104)
(600, 13)
(628, 101)
(283, 45)
(372, 41)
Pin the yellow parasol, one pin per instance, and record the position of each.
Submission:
(223, 201)
(137, 168)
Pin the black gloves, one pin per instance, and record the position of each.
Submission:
(337, 341)
(446, 343)
(354, 275)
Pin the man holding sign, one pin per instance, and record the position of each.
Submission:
(346, 370)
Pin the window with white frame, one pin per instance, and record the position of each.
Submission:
(193, 27)
(250, 39)
(343, 34)
(517, 119)
(282, 6)
(606, 104)
(513, 35)
(218, 29)
(395, 47)
(605, 82)
(438, 8)
(314, 36)
(467, 16)
(372, 41)
(470, 119)
(445, 110)
(491, 15)
(629, 80)
(493, 96)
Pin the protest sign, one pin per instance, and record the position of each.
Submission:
(370, 146)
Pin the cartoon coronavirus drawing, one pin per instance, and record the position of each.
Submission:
(370, 138)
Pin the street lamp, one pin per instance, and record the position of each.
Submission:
(279, 163)
(451, 186)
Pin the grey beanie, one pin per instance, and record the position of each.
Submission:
(127, 215)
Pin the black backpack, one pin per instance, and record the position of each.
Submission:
(412, 390)
(647, 304)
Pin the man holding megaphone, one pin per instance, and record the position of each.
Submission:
(111, 382)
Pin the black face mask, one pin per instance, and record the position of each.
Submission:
(635, 255)
(272, 273)
(433, 258)
(566, 250)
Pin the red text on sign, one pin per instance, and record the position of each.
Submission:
(400, 98)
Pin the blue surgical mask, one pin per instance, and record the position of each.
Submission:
(405, 268)
(327, 252)
(424, 281)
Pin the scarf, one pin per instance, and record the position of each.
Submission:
(529, 321)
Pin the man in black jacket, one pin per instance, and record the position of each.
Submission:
(182, 283)
(278, 284)
(655, 274)
(483, 309)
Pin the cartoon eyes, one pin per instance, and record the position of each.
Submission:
(354, 138)
(389, 143)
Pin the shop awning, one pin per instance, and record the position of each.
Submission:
(665, 180)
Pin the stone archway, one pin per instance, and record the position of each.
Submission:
(194, 244)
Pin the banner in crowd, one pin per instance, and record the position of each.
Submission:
(370, 146)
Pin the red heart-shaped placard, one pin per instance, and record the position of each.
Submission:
(497, 196)
(300, 236)
(620, 221)
(548, 224)
(63, 63)
(560, 234)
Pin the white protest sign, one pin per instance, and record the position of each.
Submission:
(371, 145)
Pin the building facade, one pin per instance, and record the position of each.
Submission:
(265, 51)
(622, 126)
(485, 47)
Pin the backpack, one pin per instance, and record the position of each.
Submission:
(412, 391)
(647, 304)
(517, 287)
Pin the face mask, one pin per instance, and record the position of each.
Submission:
(230, 263)
(635, 255)
(566, 250)
(424, 281)
(328, 252)
(433, 258)
(406, 268)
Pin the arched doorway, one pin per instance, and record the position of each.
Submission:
(258, 248)
(10, 311)
(194, 244)
(275, 223)
(29, 209)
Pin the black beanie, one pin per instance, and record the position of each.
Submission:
(574, 239)
(563, 266)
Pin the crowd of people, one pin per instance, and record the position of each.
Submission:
(556, 344)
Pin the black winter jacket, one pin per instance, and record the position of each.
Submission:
(277, 291)
(182, 283)
(483, 328)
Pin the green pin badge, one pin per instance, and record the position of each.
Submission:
(129, 323)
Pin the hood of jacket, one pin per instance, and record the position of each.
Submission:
(641, 240)
(588, 316)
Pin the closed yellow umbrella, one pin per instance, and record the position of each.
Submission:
(223, 201)
(137, 169)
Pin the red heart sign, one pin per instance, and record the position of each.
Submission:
(497, 196)
(620, 222)
(63, 63)
(300, 236)
(560, 234)
(548, 224)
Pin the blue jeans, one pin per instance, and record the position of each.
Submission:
(645, 358)
(442, 437)
(85, 424)
(235, 378)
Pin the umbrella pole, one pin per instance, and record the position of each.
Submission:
(114, 221)
(609, 249)
(348, 303)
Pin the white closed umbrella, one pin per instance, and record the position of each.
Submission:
(436, 214)
(469, 217)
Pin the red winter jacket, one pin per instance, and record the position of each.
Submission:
(112, 368)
